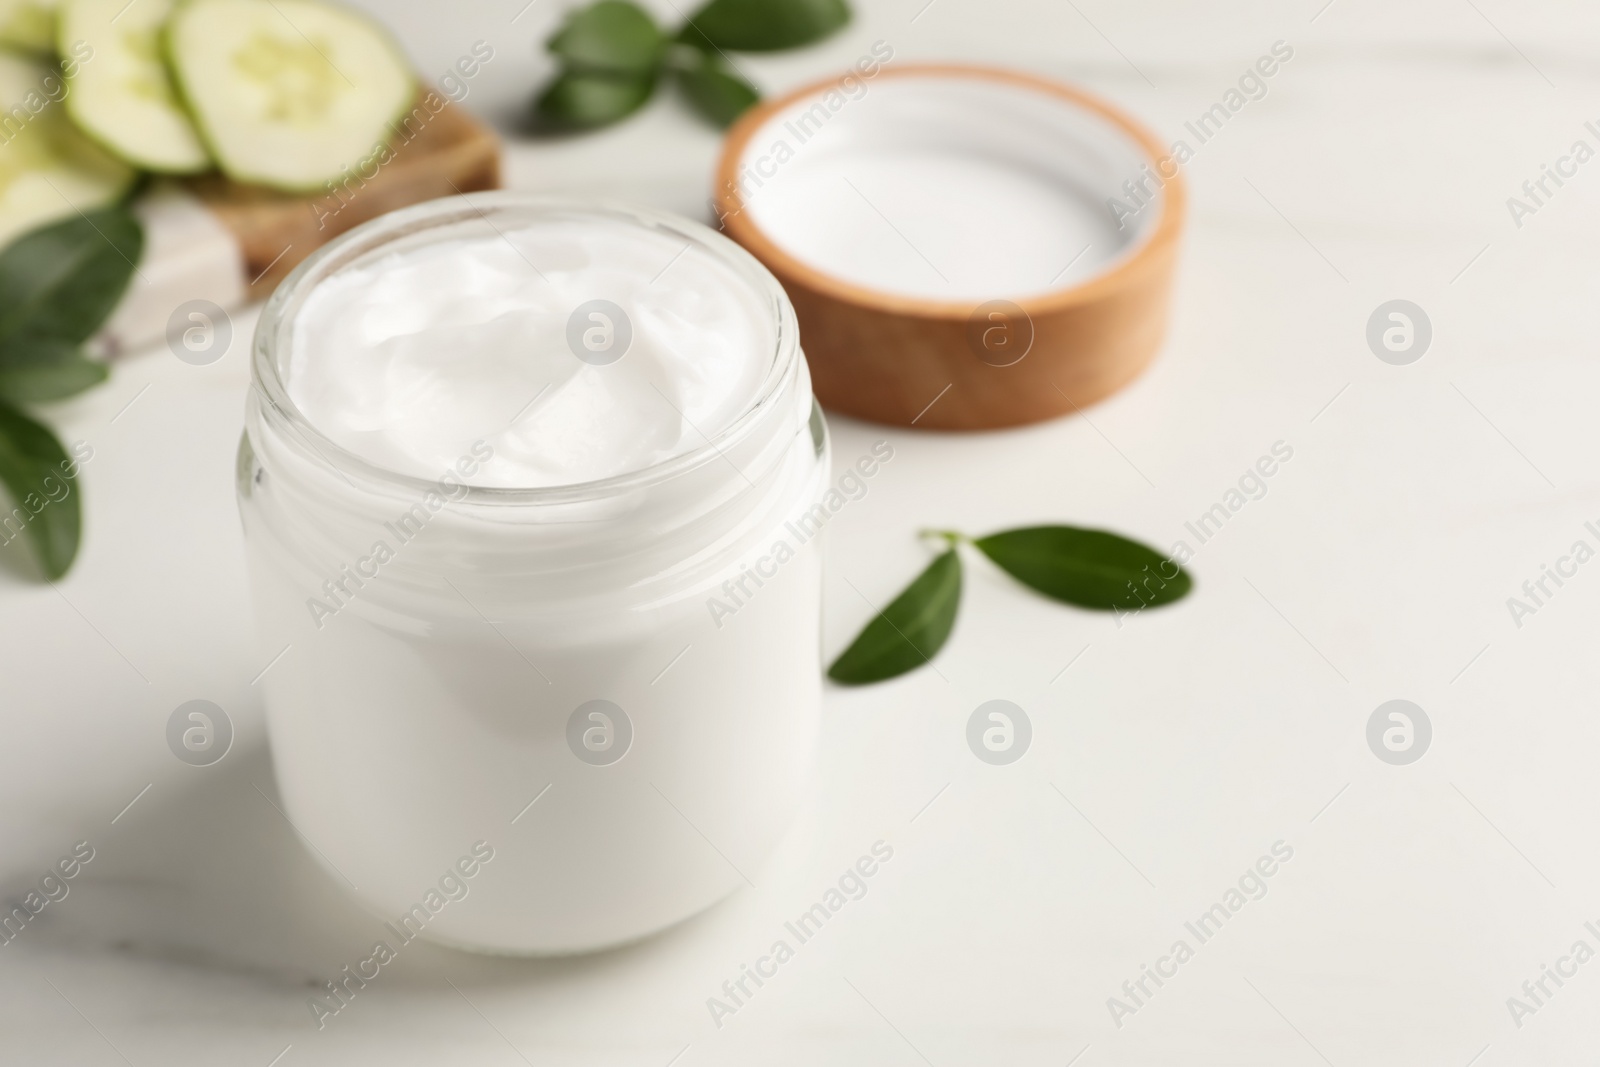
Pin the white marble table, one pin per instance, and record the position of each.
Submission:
(1169, 753)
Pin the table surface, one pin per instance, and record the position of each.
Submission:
(1170, 750)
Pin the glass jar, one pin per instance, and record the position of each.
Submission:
(537, 720)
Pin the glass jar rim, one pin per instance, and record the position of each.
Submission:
(273, 333)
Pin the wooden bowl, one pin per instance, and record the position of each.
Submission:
(989, 178)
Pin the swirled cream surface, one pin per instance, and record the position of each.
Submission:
(578, 349)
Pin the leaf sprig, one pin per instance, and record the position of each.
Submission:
(613, 55)
(1092, 569)
(57, 285)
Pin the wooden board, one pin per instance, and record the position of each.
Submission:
(438, 150)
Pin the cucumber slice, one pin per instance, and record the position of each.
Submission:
(28, 26)
(123, 95)
(287, 93)
(48, 170)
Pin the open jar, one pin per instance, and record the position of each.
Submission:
(585, 668)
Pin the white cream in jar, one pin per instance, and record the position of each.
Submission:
(489, 532)
(407, 359)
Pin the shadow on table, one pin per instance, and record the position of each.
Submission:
(206, 875)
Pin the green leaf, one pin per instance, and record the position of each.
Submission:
(1090, 568)
(33, 468)
(910, 631)
(48, 370)
(577, 101)
(611, 36)
(763, 25)
(61, 281)
(715, 90)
